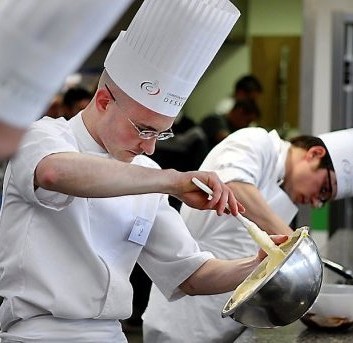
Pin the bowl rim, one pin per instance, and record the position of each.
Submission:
(229, 312)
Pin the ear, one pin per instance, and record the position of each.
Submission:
(102, 99)
(315, 152)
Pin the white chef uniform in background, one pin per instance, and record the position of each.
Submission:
(252, 156)
(66, 261)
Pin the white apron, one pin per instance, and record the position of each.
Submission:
(47, 329)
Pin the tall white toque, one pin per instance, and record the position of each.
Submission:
(166, 49)
(340, 147)
(41, 43)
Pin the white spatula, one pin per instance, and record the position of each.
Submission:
(258, 235)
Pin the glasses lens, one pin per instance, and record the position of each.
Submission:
(326, 191)
(146, 134)
(149, 134)
(165, 135)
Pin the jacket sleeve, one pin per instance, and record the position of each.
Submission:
(44, 137)
(171, 255)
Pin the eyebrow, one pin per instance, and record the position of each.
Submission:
(146, 127)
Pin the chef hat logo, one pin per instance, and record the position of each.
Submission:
(151, 88)
(173, 42)
(346, 166)
(339, 145)
(347, 175)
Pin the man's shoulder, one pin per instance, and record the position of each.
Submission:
(255, 134)
(49, 125)
(252, 138)
(145, 161)
(50, 132)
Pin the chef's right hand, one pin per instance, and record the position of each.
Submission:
(222, 200)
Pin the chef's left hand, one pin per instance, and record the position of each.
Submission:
(194, 197)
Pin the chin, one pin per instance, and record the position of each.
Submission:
(124, 159)
(128, 158)
(299, 200)
(124, 156)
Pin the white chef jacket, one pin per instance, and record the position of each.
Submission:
(70, 258)
(250, 155)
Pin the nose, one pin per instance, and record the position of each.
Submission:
(315, 202)
(148, 146)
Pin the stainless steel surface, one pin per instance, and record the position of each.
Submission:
(287, 293)
(338, 249)
(341, 211)
(294, 333)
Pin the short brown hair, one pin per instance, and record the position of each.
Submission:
(307, 142)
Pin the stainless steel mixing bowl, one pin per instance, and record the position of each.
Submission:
(284, 295)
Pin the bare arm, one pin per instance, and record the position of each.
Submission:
(220, 276)
(92, 176)
(257, 209)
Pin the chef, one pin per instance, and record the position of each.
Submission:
(270, 176)
(69, 240)
(41, 42)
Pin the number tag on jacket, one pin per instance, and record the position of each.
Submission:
(140, 231)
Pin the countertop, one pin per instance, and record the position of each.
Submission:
(338, 249)
(296, 332)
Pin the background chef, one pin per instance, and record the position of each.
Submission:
(68, 242)
(41, 42)
(269, 176)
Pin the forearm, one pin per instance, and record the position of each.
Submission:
(257, 209)
(91, 176)
(219, 276)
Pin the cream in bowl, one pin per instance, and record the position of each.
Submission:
(282, 288)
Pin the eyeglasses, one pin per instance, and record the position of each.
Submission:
(146, 133)
(149, 134)
(326, 191)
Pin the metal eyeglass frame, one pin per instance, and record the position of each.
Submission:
(145, 133)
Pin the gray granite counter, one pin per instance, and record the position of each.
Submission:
(296, 332)
(339, 249)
